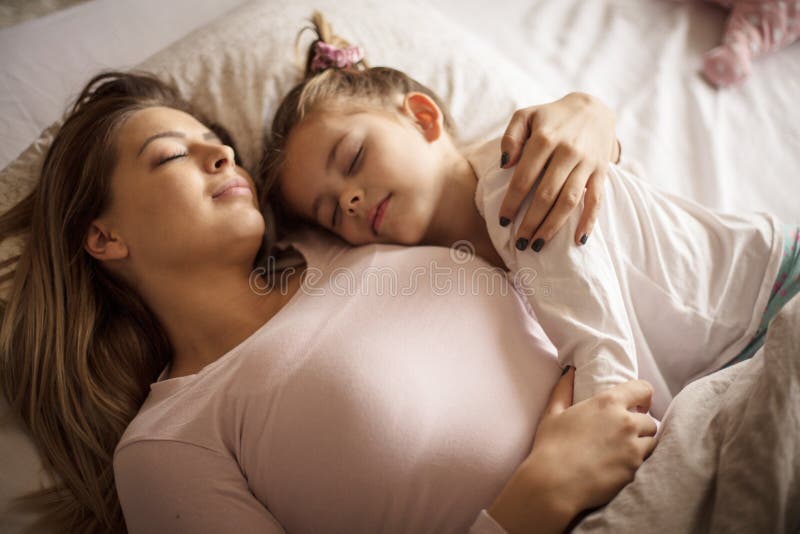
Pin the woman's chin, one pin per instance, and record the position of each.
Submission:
(243, 227)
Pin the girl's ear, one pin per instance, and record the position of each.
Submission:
(103, 243)
(427, 115)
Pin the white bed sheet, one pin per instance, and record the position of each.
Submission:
(41, 70)
(735, 149)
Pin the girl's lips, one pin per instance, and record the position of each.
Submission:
(380, 210)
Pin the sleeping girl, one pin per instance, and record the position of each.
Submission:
(371, 155)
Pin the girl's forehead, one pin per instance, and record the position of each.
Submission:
(326, 117)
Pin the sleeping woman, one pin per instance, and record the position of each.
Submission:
(156, 368)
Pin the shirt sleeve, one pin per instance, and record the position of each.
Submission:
(171, 486)
(582, 309)
(573, 290)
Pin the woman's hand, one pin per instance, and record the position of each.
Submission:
(568, 143)
(582, 456)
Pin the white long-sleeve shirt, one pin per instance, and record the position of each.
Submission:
(663, 288)
(396, 392)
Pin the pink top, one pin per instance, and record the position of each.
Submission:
(397, 391)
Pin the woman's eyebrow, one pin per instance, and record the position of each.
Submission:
(206, 136)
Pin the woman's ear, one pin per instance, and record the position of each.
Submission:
(103, 243)
(427, 115)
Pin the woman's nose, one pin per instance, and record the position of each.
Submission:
(220, 158)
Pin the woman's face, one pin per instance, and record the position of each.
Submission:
(369, 177)
(177, 198)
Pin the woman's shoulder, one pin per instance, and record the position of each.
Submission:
(318, 248)
(329, 254)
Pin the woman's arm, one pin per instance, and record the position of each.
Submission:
(170, 486)
(569, 144)
(582, 456)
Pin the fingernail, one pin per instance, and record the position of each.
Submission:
(505, 221)
(538, 244)
(584, 237)
(522, 243)
(565, 370)
(504, 159)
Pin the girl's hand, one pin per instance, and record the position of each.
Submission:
(568, 143)
(582, 456)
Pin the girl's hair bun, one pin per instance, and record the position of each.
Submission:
(328, 50)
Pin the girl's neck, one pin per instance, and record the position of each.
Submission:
(457, 217)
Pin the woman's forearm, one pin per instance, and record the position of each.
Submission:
(582, 456)
(532, 499)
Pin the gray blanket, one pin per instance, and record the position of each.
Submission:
(728, 458)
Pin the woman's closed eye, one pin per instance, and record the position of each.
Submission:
(172, 157)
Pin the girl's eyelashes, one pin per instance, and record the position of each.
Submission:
(356, 160)
(170, 158)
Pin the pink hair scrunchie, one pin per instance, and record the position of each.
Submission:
(327, 56)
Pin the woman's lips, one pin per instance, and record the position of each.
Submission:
(237, 186)
(380, 210)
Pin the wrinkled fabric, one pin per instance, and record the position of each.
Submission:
(728, 459)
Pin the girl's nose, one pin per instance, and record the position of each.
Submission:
(350, 200)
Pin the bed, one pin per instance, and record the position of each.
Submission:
(735, 149)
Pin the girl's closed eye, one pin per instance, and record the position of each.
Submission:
(356, 160)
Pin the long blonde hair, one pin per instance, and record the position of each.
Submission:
(78, 347)
(357, 86)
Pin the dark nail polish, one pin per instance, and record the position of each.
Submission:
(504, 159)
(564, 370)
(538, 244)
(584, 237)
(505, 221)
(522, 243)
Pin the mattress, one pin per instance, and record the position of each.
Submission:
(736, 149)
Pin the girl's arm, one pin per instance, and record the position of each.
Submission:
(569, 143)
(582, 456)
(575, 292)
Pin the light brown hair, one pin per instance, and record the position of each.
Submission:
(78, 347)
(355, 88)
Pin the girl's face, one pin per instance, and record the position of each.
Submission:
(370, 176)
(178, 200)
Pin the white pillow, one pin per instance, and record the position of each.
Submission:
(236, 70)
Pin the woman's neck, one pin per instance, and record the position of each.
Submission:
(207, 314)
(457, 217)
